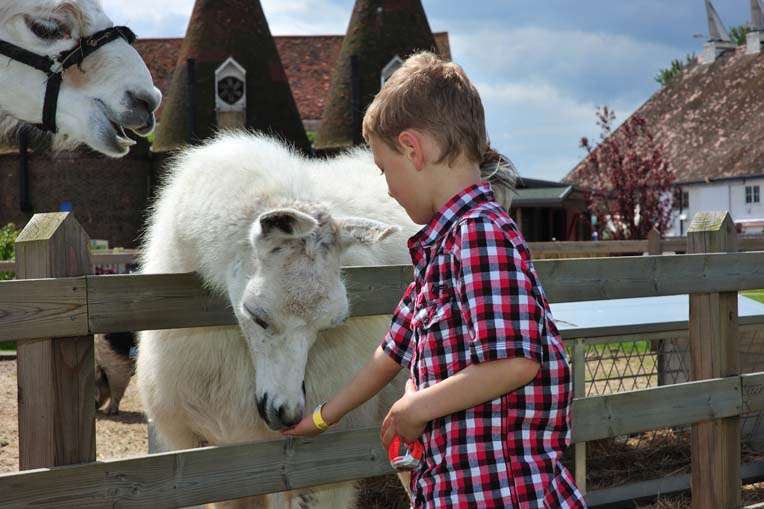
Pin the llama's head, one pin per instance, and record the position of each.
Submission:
(290, 291)
(109, 92)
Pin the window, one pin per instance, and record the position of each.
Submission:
(752, 194)
(681, 200)
(388, 70)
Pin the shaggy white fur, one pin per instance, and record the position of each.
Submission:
(113, 86)
(203, 384)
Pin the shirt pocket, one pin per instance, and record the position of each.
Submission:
(435, 327)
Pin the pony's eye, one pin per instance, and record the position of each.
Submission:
(47, 29)
(256, 317)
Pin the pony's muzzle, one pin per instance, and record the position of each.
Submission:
(279, 415)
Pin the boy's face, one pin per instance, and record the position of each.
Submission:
(404, 182)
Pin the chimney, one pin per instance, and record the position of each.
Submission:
(718, 38)
(755, 37)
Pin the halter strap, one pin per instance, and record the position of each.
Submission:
(54, 68)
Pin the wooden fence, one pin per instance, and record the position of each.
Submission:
(540, 250)
(53, 320)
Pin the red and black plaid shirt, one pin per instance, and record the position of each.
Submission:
(476, 298)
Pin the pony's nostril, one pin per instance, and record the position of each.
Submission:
(286, 420)
(261, 407)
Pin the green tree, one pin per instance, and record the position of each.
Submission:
(739, 33)
(8, 234)
(677, 66)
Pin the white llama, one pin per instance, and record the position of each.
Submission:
(109, 91)
(270, 230)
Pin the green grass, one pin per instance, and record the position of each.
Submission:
(7, 346)
(757, 295)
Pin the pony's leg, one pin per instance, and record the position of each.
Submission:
(118, 381)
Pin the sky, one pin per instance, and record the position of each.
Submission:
(542, 67)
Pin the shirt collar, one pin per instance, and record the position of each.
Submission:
(453, 209)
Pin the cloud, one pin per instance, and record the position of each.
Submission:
(592, 64)
(542, 67)
(541, 87)
(539, 126)
(170, 18)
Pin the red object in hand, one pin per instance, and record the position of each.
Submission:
(404, 456)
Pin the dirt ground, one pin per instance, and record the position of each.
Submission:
(117, 436)
(125, 435)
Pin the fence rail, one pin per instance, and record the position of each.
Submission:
(99, 304)
(539, 250)
(214, 473)
(81, 304)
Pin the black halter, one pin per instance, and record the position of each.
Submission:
(54, 67)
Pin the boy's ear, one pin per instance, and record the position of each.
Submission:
(412, 144)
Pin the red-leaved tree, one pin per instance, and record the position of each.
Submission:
(628, 183)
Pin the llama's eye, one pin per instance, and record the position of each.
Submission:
(47, 29)
(256, 317)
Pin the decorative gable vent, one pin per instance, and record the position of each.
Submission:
(231, 94)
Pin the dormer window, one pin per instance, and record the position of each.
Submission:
(388, 70)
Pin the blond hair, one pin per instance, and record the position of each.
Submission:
(434, 96)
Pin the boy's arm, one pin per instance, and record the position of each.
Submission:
(469, 387)
(369, 380)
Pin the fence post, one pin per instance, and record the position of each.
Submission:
(714, 352)
(654, 246)
(579, 391)
(56, 376)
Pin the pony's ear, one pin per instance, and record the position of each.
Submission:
(282, 223)
(359, 230)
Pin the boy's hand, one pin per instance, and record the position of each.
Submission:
(402, 419)
(304, 428)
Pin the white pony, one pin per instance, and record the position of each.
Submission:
(110, 91)
(269, 229)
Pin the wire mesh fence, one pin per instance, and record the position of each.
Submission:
(613, 366)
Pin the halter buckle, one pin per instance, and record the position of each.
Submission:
(57, 67)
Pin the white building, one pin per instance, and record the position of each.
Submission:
(709, 123)
(741, 196)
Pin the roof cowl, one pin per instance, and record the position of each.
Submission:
(719, 39)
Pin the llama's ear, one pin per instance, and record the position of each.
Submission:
(282, 223)
(359, 230)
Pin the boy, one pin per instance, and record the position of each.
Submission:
(490, 388)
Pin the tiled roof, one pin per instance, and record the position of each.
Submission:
(308, 61)
(709, 120)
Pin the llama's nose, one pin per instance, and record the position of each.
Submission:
(148, 100)
(287, 418)
(278, 416)
(138, 113)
